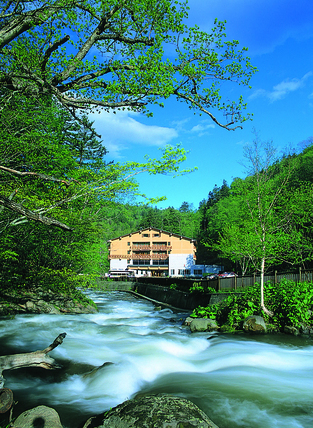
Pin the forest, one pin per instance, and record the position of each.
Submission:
(228, 223)
(60, 201)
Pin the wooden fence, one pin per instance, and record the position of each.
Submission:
(233, 283)
(237, 282)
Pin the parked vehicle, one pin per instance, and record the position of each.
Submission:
(213, 276)
(227, 275)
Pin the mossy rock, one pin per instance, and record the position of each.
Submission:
(254, 324)
(203, 324)
(157, 411)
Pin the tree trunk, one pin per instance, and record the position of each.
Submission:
(263, 307)
(30, 359)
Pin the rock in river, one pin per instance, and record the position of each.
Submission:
(157, 411)
(254, 324)
(203, 324)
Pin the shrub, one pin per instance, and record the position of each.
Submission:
(290, 302)
(196, 287)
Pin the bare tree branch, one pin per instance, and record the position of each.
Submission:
(37, 174)
(31, 215)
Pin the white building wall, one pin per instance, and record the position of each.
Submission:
(179, 262)
(118, 264)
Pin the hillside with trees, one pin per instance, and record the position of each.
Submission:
(60, 201)
(60, 60)
(262, 222)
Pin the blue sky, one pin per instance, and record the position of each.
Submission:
(279, 35)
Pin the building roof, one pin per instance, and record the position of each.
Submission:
(157, 230)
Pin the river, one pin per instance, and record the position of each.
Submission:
(239, 381)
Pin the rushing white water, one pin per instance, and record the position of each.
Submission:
(238, 381)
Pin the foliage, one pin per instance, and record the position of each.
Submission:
(183, 222)
(196, 288)
(59, 60)
(113, 55)
(44, 172)
(263, 221)
(227, 232)
(290, 302)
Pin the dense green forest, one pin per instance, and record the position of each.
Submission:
(223, 224)
(60, 201)
(60, 60)
(94, 202)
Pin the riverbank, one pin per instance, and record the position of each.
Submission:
(292, 312)
(44, 301)
(291, 305)
(228, 376)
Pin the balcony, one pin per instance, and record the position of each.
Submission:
(118, 256)
(159, 256)
(161, 247)
(140, 256)
(141, 247)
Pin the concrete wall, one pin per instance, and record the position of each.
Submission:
(175, 298)
(178, 299)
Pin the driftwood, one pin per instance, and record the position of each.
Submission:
(30, 359)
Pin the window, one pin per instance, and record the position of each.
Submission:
(183, 271)
(172, 271)
(198, 271)
(146, 235)
(128, 252)
(141, 262)
(128, 243)
(141, 244)
(156, 234)
(169, 244)
(161, 262)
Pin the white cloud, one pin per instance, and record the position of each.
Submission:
(120, 130)
(282, 89)
(202, 127)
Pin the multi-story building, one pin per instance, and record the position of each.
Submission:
(152, 252)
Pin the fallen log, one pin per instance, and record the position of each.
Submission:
(30, 359)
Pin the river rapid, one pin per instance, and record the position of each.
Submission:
(238, 381)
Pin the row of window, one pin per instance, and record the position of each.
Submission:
(148, 243)
(181, 272)
(148, 252)
(148, 262)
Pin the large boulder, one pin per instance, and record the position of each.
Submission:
(203, 324)
(39, 417)
(254, 324)
(157, 411)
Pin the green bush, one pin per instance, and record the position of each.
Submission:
(196, 288)
(290, 302)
